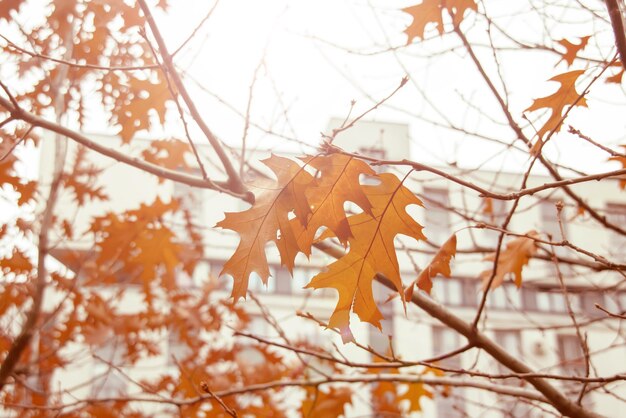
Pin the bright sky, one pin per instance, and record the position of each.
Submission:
(310, 80)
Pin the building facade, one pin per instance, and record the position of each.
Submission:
(533, 322)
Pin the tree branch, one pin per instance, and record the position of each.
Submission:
(618, 28)
(235, 182)
(176, 176)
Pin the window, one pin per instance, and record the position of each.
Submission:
(301, 277)
(448, 291)
(550, 220)
(499, 211)
(505, 297)
(511, 341)
(571, 357)
(616, 214)
(552, 301)
(282, 280)
(256, 285)
(589, 300)
(437, 218)
(108, 382)
(191, 199)
(446, 340)
(550, 226)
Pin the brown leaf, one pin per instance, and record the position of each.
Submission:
(440, 264)
(572, 49)
(338, 183)
(511, 261)
(268, 221)
(17, 263)
(371, 251)
(565, 96)
(431, 11)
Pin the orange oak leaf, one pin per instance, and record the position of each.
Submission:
(488, 207)
(616, 78)
(338, 183)
(565, 96)
(17, 263)
(137, 98)
(431, 11)
(387, 396)
(268, 221)
(319, 403)
(572, 49)
(440, 264)
(168, 153)
(511, 261)
(371, 251)
(622, 160)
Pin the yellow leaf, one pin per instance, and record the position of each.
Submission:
(371, 251)
(565, 96)
(430, 11)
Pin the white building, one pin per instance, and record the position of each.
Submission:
(532, 322)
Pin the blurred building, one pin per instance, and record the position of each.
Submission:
(532, 322)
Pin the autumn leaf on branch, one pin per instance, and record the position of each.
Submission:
(617, 77)
(169, 153)
(82, 179)
(338, 183)
(387, 396)
(268, 221)
(372, 251)
(565, 96)
(440, 264)
(572, 49)
(511, 260)
(432, 11)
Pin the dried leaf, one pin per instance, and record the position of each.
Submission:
(268, 221)
(440, 264)
(431, 11)
(564, 97)
(572, 49)
(371, 251)
(511, 261)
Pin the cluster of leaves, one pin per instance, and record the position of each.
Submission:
(92, 34)
(312, 194)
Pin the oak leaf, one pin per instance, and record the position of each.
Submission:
(371, 251)
(431, 11)
(511, 260)
(616, 78)
(572, 49)
(338, 183)
(319, 403)
(169, 153)
(565, 96)
(440, 264)
(268, 221)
